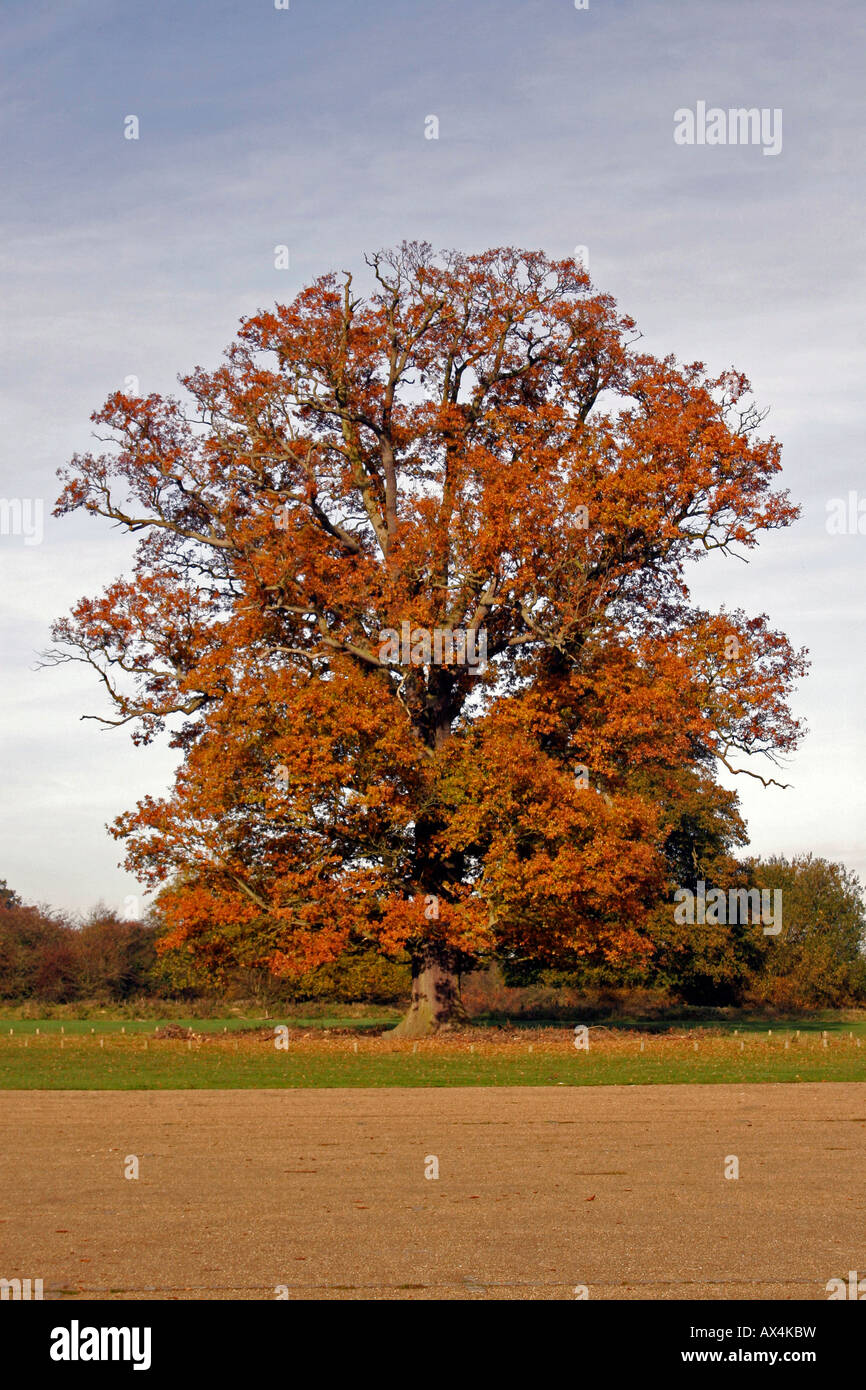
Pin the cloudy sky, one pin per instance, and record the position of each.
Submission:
(305, 127)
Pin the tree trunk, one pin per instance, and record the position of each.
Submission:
(436, 999)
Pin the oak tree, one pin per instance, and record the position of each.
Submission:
(475, 450)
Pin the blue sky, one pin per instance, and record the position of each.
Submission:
(305, 127)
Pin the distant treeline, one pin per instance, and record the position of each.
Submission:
(49, 957)
(45, 956)
(817, 961)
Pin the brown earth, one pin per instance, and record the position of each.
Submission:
(323, 1192)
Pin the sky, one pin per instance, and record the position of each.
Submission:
(309, 127)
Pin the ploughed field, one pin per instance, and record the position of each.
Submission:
(420, 1192)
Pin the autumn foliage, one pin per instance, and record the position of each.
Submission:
(477, 444)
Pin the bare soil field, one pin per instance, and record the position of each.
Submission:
(322, 1194)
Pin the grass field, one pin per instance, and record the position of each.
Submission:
(108, 1059)
(20, 1019)
(70, 1027)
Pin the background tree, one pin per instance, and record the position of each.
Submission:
(478, 446)
(8, 898)
(703, 963)
(817, 960)
(37, 957)
(114, 958)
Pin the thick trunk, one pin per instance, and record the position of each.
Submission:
(435, 998)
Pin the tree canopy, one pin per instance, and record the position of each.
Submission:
(476, 446)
